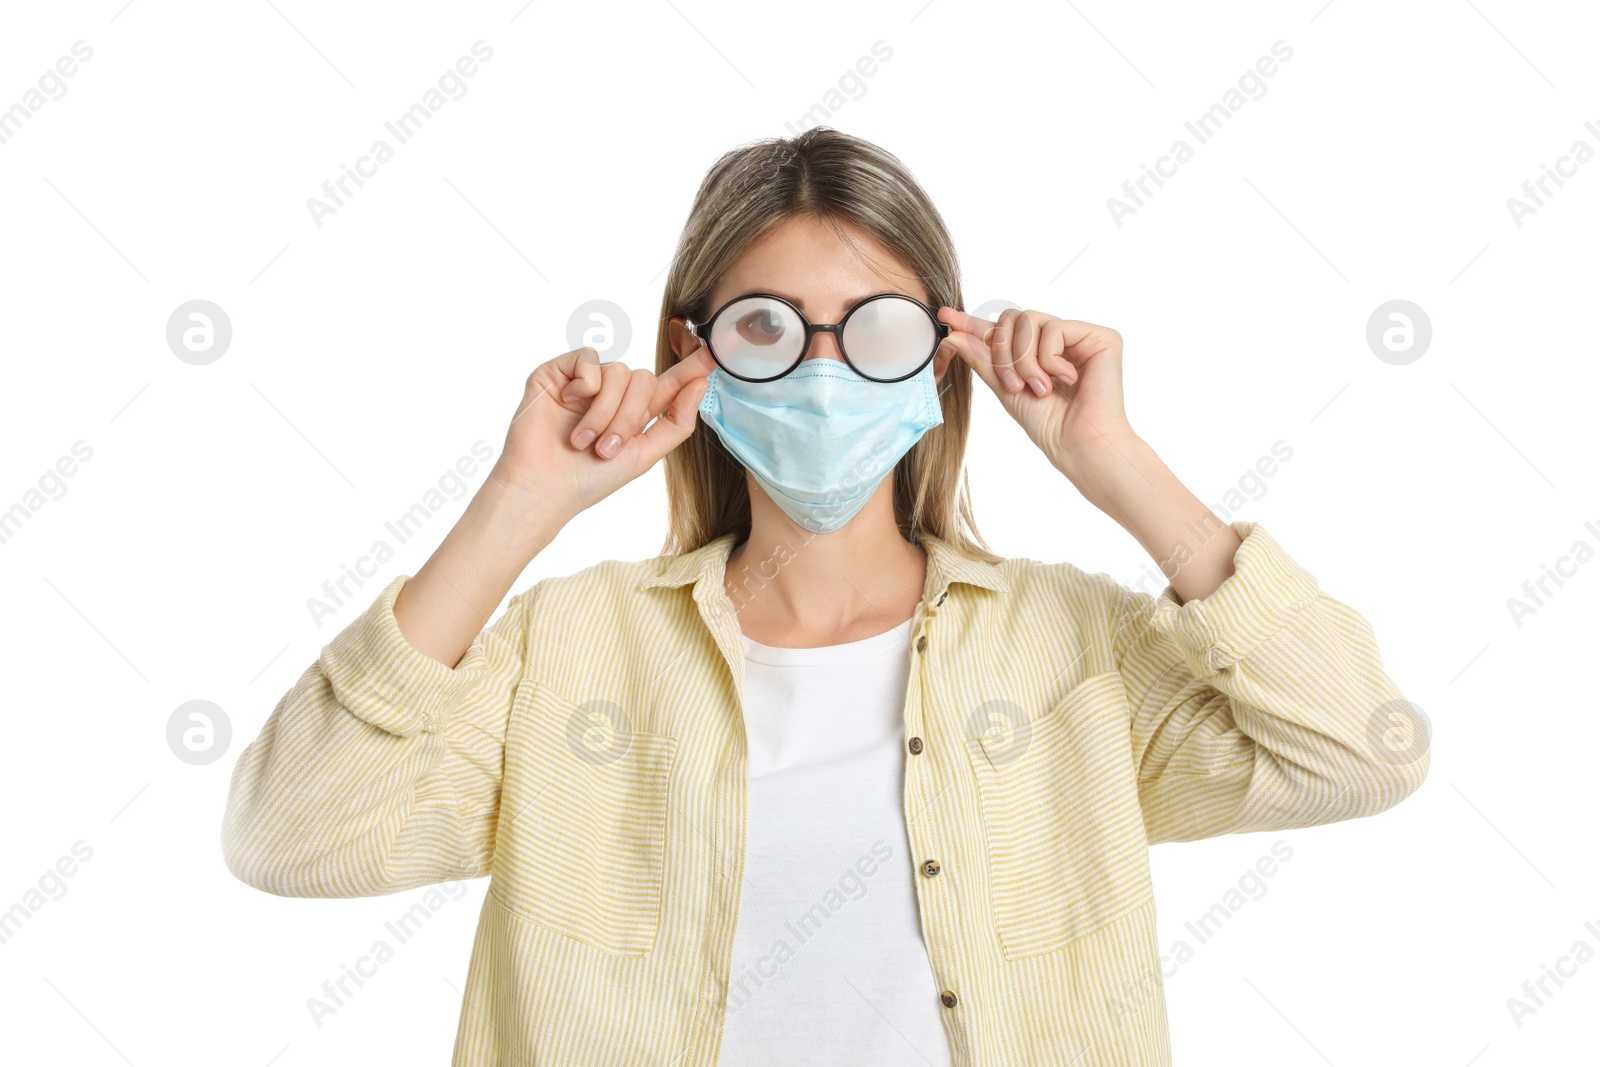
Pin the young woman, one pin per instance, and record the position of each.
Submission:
(828, 781)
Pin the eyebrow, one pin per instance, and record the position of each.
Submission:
(801, 304)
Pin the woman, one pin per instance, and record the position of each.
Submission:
(828, 781)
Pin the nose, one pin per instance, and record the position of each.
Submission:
(825, 346)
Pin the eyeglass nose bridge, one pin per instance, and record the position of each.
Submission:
(812, 329)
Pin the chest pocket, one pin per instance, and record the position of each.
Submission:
(1062, 822)
(581, 842)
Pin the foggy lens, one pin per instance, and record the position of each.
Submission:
(888, 337)
(757, 337)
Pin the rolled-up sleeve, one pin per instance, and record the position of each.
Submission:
(1263, 706)
(380, 769)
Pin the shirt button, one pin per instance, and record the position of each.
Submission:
(922, 642)
(942, 596)
(915, 745)
(947, 998)
(930, 867)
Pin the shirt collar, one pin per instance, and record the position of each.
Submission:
(705, 561)
(705, 566)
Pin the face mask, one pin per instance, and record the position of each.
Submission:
(820, 439)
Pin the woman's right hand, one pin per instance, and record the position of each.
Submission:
(559, 447)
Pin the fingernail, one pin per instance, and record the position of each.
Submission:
(585, 436)
(609, 444)
(568, 398)
(1009, 378)
(1039, 386)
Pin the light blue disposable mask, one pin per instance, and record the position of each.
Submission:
(820, 439)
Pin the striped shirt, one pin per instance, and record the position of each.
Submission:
(588, 755)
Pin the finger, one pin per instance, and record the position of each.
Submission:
(1087, 334)
(581, 370)
(1004, 356)
(971, 336)
(1027, 327)
(960, 320)
(631, 414)
(697, 364)
(1045, 355)
(1053, 353)
(976, 354)
(672, 428)
(614, 378)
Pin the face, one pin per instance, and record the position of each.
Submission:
(805, 261)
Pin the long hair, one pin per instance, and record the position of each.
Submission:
(833, 177)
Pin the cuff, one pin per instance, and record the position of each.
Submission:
(1266, 590)
(380, 677)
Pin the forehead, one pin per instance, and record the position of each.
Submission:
(807, 261)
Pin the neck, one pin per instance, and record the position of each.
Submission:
(862, 576)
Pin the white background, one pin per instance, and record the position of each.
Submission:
(369, 354)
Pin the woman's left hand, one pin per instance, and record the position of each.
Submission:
(1079, 420)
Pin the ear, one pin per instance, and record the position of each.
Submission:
(941, 363)
(684, 343)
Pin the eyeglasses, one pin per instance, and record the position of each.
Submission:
(760, 337)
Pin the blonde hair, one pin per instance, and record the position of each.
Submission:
(833, 177)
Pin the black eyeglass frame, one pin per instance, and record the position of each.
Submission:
(941, 331)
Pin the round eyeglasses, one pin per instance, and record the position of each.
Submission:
(760, 337)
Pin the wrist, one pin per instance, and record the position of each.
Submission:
(1101, 469)
(521, 517)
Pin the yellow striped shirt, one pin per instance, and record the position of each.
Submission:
(588, 755)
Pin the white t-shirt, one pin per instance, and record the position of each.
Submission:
(829, 965)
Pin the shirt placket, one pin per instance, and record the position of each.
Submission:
(731, 784)
(923, 787)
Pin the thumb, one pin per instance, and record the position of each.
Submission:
(674, 425)
(976, 355)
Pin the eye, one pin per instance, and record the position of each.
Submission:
(760, 327)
